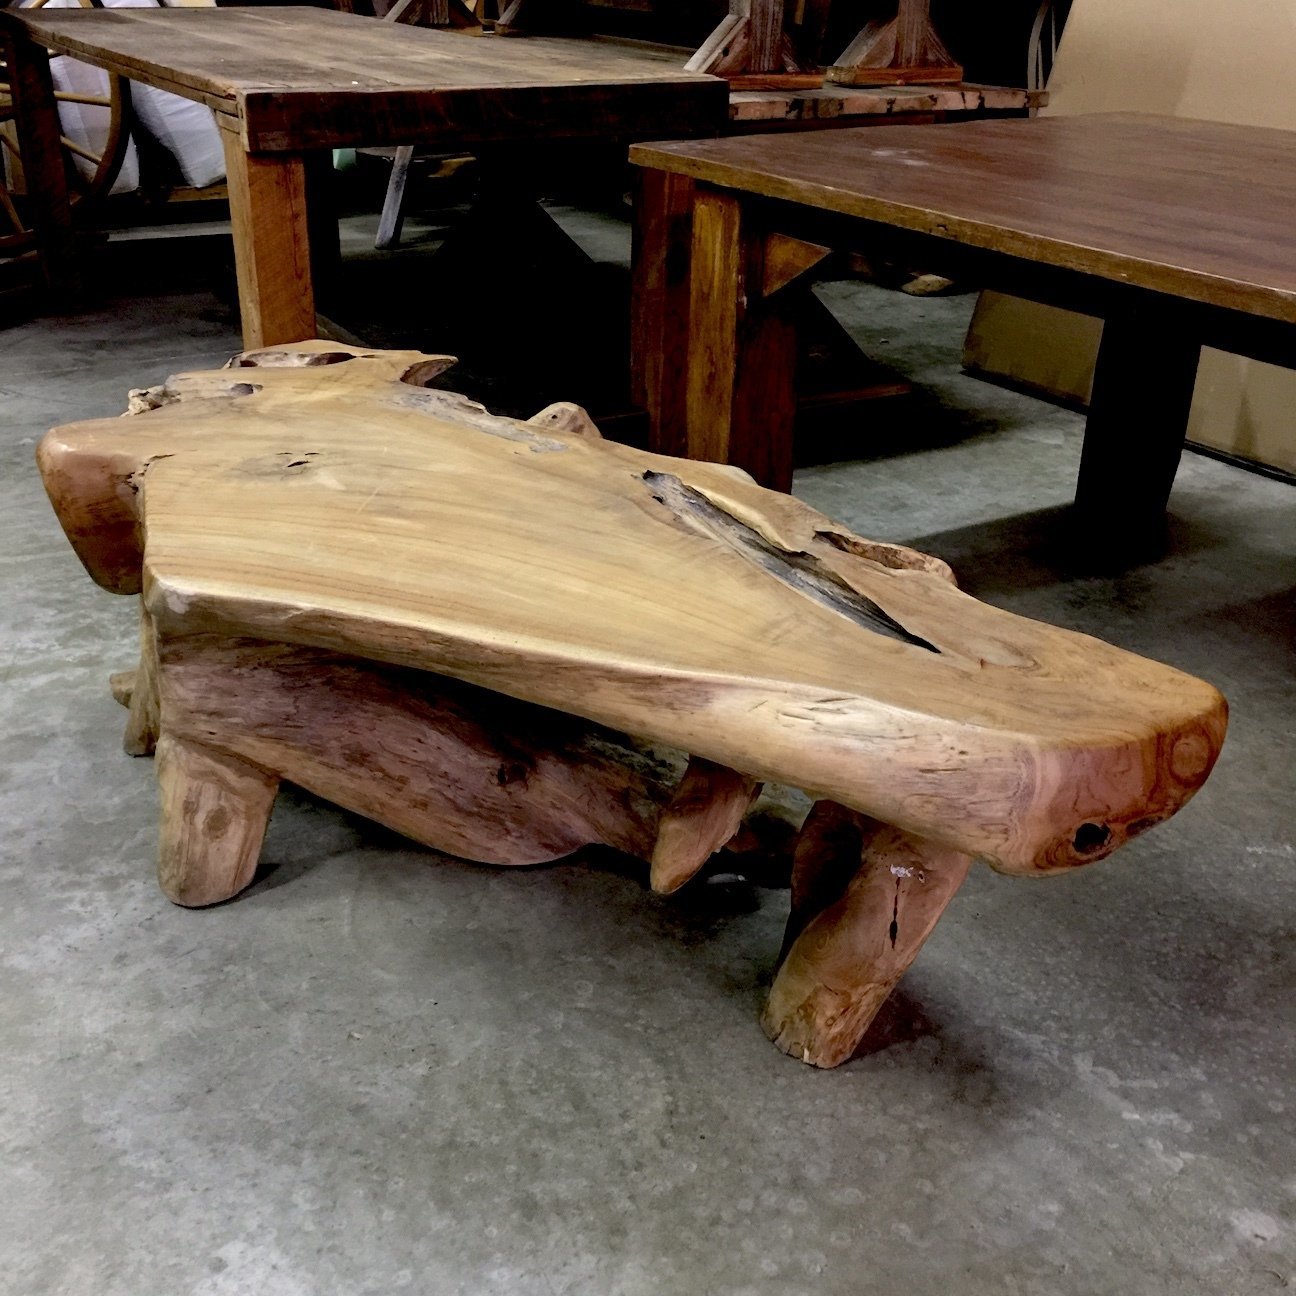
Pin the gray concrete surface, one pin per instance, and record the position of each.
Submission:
(383, 1071)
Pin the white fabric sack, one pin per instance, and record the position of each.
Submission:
(187, 130)
(88, 124)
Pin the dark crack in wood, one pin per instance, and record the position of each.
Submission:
(802, 571)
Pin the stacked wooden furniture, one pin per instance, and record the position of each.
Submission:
(507, 639)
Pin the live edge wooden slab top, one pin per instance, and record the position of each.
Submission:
(467, 627)
(301, 78)
(340, 506)
(1198, 210)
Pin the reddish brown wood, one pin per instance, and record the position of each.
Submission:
(663, 235)
(1178, 232)
(741, 381)
(304, 78)
(1200, 210)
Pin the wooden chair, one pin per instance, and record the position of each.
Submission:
(507, 639)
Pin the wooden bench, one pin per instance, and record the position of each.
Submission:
(507, 639)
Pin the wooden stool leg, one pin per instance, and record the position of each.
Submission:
(741, 383)
(267, 194)
(847, 958)
(215, 808)
(145, 707)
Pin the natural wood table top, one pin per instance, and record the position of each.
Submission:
(306, 77)
(1199, 210)
(345, 508)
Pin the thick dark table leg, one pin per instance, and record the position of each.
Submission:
(37, 122)
(1138, 414)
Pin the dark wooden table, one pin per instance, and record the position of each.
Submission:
(288, 84)
(1175, 233)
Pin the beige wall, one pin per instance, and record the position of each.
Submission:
(1225, 60)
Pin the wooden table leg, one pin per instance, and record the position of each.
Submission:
(36, 113)
(741, 380)
(663, 236)
(865, 896)
(268, 211)
(1138, 414)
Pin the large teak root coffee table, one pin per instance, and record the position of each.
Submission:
(509, 639)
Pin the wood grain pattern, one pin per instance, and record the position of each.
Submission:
(847, 958)
(705, 813)
(302, 78)
(661, 250)
(215, 808)
(268, 212)
(345, 509)
(1194, 209)
(741, 358)
(903, 103)
(471, 773)
(449, 622)
(905, 50)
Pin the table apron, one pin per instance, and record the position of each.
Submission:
(275, 121)
(1227, 329)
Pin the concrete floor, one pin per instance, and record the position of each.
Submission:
(382, 1070)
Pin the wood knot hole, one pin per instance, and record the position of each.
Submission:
(1091, 837)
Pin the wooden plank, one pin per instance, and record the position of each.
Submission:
(304, 78)
(268, 212)
(1198, 210)
(663, 235)
(838, 101)
(765, 19)
(227, 51)
(741, 350)
(716, 46)
(275, 120)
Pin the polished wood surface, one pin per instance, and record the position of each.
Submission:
(306, 77)
(1198, 210)
(1177, 234)
(509, 638)
(672, 599)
